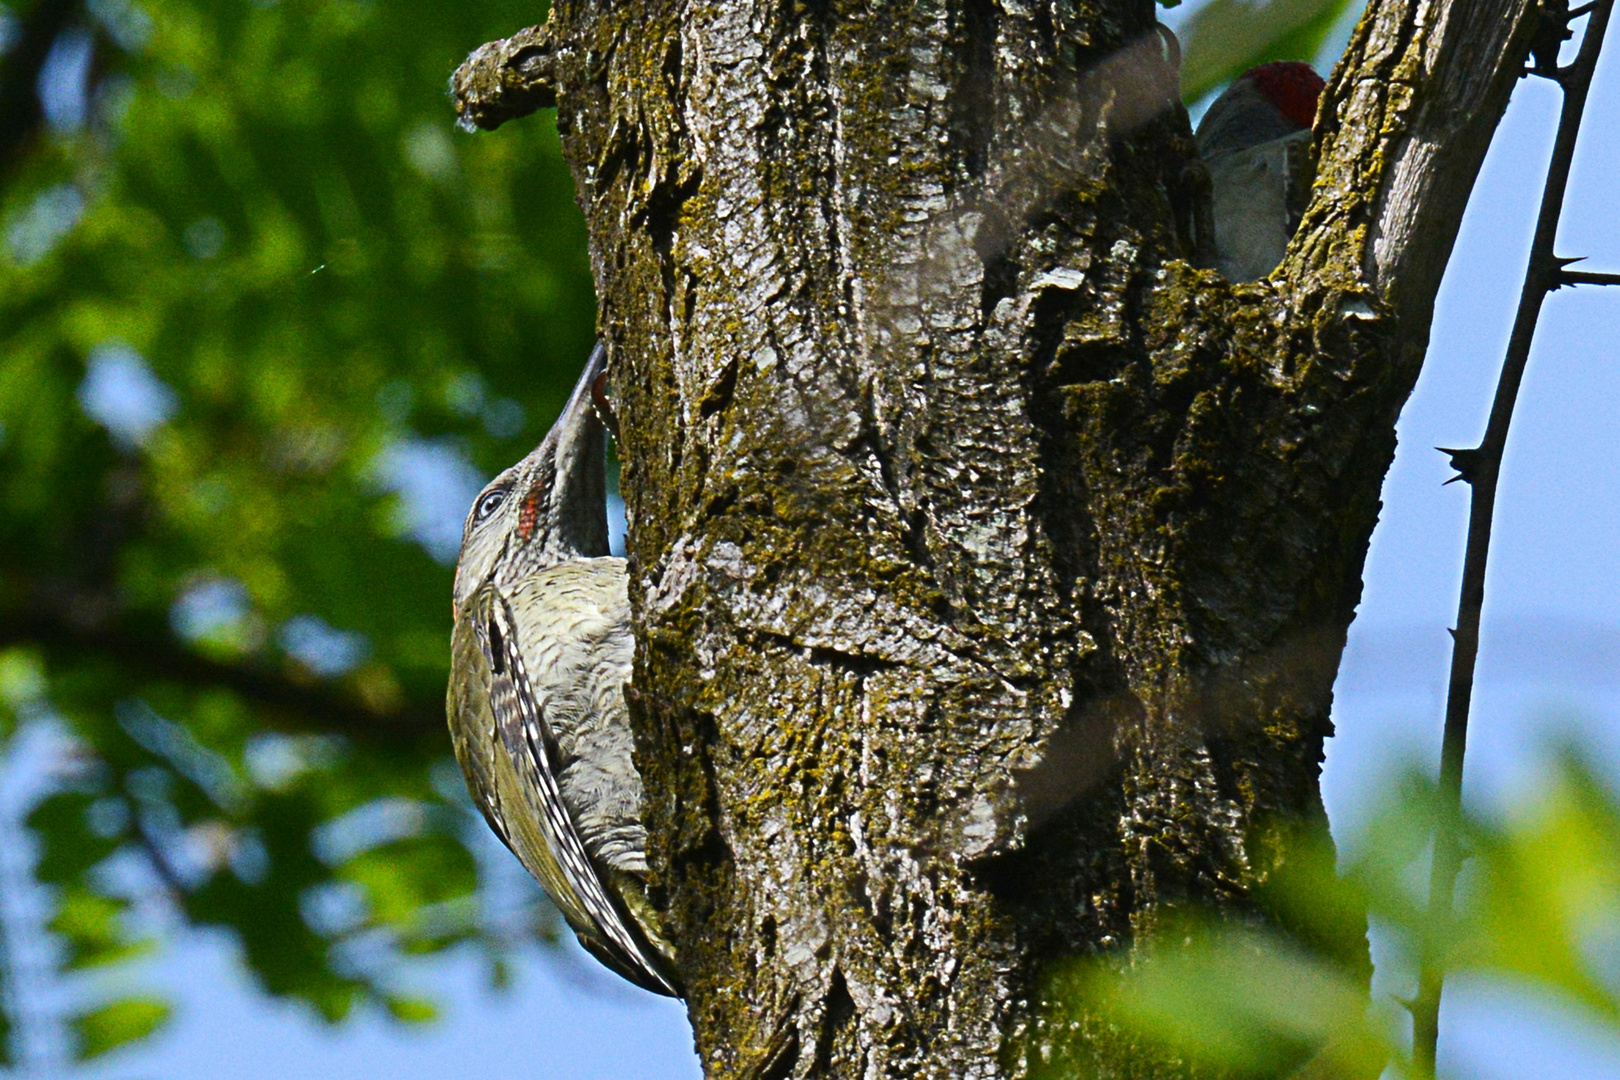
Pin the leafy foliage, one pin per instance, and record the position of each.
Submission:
(268, 319)
(1540, 902)
(116, 1023)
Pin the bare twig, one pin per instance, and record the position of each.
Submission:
(1480, 467)
(1575, 277)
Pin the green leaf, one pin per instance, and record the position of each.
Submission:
(91, 925)
(402, 878)
(1225, 38)
(287, 956)
(1305, 897)
(412, 1010)
(1239, 998)
(118, 1023)
(1539, 904)
(1547, 889)
(22, 682)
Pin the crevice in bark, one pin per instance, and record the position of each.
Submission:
(859, 665)
(1001, 273)
(781, 1056)
(973, 100)
(838, 1009)
(720, 396)
(662, 219)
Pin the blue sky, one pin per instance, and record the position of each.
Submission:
(1550, 666)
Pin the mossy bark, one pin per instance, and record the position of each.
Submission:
(991, 562)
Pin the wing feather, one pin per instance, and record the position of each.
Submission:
(521, 726)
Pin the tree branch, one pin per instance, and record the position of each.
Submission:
(1480, 467)
(151, 649)
(506, 79)
(1412, 108)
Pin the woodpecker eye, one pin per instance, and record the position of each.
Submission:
(489, 504)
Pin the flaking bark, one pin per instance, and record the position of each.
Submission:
(991, 562)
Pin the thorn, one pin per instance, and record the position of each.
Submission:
(1553, 276)
(1551, 33)
(1452, 630)
(1550, 72)
(1409, 1004)
(1467, 462)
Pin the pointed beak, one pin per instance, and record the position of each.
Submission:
(570, 505)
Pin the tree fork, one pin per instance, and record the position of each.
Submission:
(991, 562)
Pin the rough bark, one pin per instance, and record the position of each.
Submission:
(991, 562)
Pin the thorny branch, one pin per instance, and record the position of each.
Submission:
(1481, 466)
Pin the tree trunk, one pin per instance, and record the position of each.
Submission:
(991, 563)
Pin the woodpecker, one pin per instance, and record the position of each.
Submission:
(1256, 142)
(541, 654)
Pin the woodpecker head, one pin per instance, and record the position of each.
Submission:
(549, 507)
(1264, 103)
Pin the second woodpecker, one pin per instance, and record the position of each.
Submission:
(1256, 142)
(541, 652)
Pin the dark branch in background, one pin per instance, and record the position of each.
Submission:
(22, 114)
(153, 650)
(159, 861)
(1480, 467)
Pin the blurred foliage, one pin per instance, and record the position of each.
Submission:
(1539, 905)
(267, 319)
(110, 1026)
(1224, 38)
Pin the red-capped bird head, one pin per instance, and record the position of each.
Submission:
(1264, 103)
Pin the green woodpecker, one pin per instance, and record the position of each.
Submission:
(1256, 141)
(541, 654)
